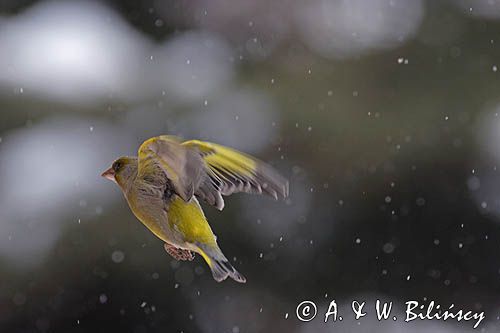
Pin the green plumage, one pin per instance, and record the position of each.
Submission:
(163, 183)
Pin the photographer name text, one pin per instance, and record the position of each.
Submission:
(413, 310)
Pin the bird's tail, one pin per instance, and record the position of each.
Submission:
(218, 263)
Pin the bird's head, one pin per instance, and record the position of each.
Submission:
(122, 171)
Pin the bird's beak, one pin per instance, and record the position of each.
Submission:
(109, 174)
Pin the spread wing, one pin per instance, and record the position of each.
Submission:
(165, 154)
(228, 171)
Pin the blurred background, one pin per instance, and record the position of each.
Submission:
(382, 113)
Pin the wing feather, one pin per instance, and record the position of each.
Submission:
(207, 170)
(230, 171)
(166, 155)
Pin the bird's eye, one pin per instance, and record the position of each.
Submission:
(117, 166)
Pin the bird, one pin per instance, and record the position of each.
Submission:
(164, 183)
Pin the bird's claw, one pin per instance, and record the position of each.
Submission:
(179, 254)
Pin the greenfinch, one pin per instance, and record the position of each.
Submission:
(163, 183)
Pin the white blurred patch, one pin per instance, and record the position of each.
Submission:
(341, 28)
(192, 65)
(50, 173)
(73, 51)
(246, 120)
(481, 8)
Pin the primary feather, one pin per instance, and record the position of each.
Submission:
(229, 171)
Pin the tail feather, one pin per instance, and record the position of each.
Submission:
(221, 269)
(218, 263)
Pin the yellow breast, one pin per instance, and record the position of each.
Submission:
(189, 220)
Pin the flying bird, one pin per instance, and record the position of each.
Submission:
(163, 183)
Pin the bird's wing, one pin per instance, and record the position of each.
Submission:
(230, 171)
(183, 167)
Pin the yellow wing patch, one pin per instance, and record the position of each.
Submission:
(217, 156)
(231, 171)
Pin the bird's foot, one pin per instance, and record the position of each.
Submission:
(179, 254)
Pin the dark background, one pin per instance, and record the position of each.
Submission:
(383, 115)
